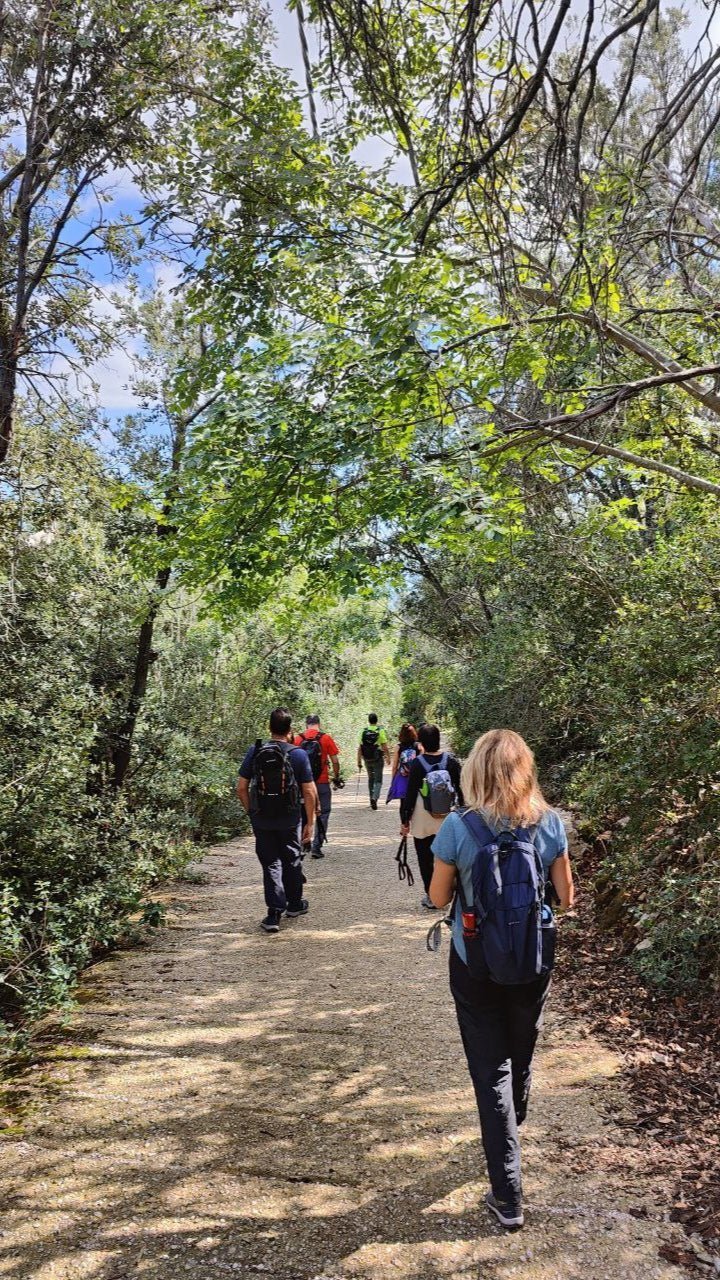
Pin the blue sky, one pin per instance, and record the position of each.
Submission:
(113, 374)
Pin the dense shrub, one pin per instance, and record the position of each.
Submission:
(79, 860)
(604, 651)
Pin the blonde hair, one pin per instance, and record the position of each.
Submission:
(499, 778)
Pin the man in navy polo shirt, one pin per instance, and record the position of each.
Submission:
(275, 780)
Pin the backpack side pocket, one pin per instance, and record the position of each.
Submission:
(549, 940)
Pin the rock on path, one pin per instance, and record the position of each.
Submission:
(226, 1104)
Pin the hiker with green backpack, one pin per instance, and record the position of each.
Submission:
(373, 752)
(274, 786)
(432, 791)
(504, 856)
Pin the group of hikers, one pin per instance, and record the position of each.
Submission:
(489, 849)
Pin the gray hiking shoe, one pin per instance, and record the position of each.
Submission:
(509, 1216)
(302, 910)
(271, 923)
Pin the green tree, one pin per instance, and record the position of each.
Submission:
(91, 92)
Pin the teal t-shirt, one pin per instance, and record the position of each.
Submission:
(455, 844)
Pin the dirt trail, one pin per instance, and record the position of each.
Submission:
(231, 1104)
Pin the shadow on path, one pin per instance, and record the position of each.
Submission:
(297, 1106)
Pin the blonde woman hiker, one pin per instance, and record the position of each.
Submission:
(433, 787)
(497, 853)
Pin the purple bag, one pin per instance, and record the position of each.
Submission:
(398, 788)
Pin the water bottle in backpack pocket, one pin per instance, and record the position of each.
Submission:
(506, 937)
(437, 790)
(549, 938)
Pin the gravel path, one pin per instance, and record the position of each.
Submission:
(230, 1104)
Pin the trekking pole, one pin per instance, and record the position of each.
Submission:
(357, 785)
(404, 869)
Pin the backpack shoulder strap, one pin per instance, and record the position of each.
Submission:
(483, 836)
(478, 827)
(460, 895)
(542, 874)
(443, 761)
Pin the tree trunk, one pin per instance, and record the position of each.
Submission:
(122, 738)
(8, 382)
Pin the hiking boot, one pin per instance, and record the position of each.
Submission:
(373, 804)
(317, 853)
(508, 1216)
(427, 904)
(302, 910)
(271, 923)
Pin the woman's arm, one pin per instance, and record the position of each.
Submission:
(442, 885)
(395, 759)
(562, 879)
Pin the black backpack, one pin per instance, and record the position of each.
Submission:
(313, 749)
(369, 744)
(274, 790)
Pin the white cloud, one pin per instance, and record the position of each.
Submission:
(166, 276)
(113, 376)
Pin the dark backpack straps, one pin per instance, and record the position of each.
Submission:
(483, 836)
(527, 835)
(404, 869)
(465, 906)
(478, 827)
(438, 764)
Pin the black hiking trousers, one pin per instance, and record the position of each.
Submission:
(325, 797)
(499, 1028)
(425, 857)
(280, 856)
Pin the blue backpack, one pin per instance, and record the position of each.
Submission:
(509, 935)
